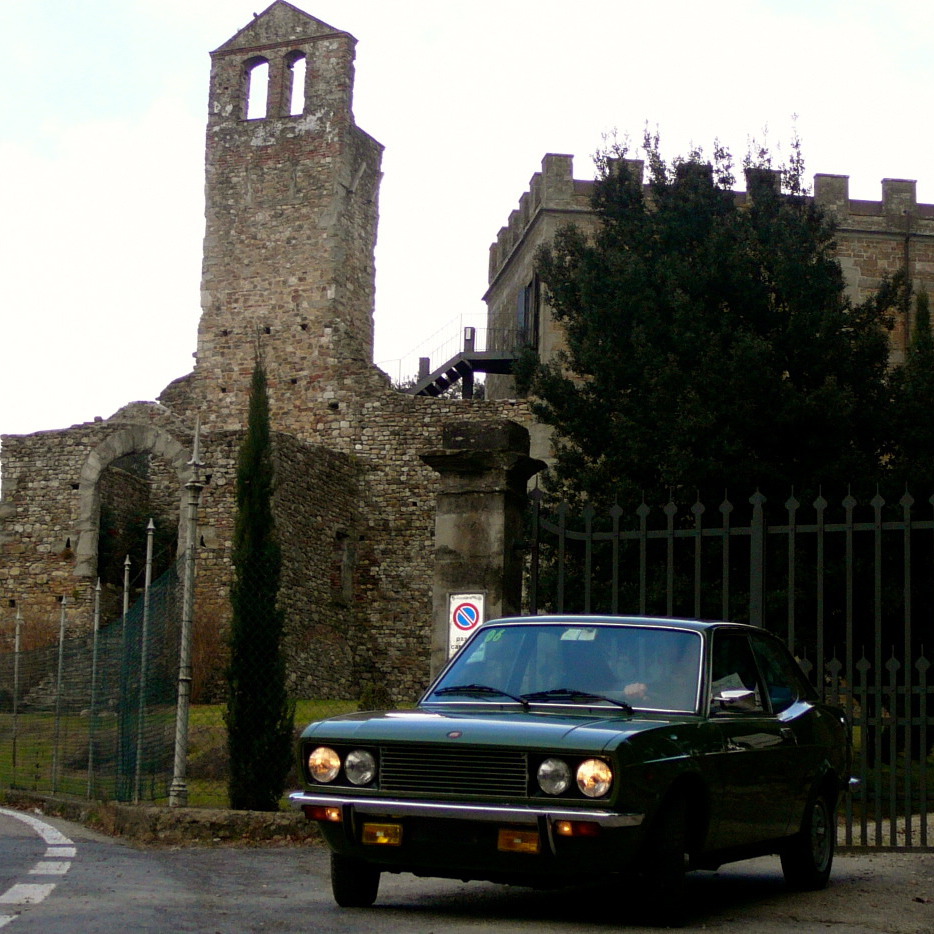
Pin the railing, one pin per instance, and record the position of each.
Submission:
(847, 585)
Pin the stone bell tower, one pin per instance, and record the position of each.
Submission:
(291, 213)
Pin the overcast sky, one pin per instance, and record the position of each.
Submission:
(103, 106)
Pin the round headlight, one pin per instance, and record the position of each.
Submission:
(594, 778)
(324, 764)
(554, 776)
(360, 767)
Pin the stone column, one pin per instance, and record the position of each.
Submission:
(485, 468)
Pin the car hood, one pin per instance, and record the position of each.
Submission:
(587, 732)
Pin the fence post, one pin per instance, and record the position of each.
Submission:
(58, 697)
(143, 649)
(16, 648)
(92, 712)
(484, 470)
(757, 561)
(178, 790)
(124, 727)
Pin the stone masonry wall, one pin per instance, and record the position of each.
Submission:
(290, 221)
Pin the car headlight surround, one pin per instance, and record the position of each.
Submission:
(594, 778)
(324, 764)
(554, 776)
(360, 767)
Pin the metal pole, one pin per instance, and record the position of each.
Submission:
(92, 713)
(121, 788)
(16, 648)
(58, 696)
(143, 652)
(178, 790)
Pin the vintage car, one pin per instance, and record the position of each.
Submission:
(554, 749)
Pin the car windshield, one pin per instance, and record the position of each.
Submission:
(649, 668)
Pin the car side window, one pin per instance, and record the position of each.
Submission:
(734, 668)
(784, 683)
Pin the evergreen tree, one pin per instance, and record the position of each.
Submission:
(709, 340)
(259, 713)
(913, 404)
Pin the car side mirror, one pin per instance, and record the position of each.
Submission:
(736, 699)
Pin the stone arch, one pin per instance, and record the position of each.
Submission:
(129, 440)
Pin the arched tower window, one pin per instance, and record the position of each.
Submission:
(256, 74)
(295, 89)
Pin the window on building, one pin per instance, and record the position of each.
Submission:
(257, 88)
(527, 315)
(296, 84)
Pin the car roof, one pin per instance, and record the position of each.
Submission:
(668, 622)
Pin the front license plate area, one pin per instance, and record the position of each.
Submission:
(518, 841)
(382, 834)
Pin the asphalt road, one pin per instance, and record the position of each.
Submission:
(93, 883)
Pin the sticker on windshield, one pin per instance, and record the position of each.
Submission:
(578, 634)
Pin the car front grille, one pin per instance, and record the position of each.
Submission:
(432, 770)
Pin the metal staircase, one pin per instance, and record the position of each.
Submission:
(462, 367)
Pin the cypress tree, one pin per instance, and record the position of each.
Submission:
(259, 712)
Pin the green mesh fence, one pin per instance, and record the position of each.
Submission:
(99, 721)
(95, 716)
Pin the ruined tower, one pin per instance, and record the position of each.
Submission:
(291, 213)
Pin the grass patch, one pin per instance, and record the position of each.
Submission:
(41, 750)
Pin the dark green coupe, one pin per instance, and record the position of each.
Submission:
(555, 749)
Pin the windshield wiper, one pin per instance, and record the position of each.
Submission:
(568, 694)
(483, 690)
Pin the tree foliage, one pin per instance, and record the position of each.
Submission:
(913, 402)
(709, 339)
(259, 712)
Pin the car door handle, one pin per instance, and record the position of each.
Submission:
(788, 735)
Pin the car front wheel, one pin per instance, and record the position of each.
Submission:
(665, 865)
(354, 883)
(808, 858)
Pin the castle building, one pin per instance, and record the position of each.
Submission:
(292, 189)
(874, 239)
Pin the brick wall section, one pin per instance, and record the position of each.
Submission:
(44, 509)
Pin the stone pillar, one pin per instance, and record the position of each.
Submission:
(485, 468)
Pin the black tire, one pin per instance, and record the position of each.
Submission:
(666, 859)
(354, 883)
(808, 857)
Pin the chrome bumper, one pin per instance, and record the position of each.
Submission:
(391, 807)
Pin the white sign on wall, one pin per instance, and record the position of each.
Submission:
(465, 614)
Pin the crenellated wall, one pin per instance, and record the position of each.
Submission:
(874, 239)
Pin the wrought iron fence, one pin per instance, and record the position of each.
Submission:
(848, 585)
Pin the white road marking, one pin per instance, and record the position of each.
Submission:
(60, 852)
(24, 895)
(50, 867)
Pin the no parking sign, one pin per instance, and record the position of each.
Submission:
(465, 614)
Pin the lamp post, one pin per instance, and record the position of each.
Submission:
(178, 790)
